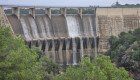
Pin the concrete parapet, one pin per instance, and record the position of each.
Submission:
(138, 11)
(48, 12)
(114, 12)
(101, 11)
(80, 12)
(32, 12)
(16, 11)
(130, 11)
(63, 11)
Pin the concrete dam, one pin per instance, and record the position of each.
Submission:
(66, 38)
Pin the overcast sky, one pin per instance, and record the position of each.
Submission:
(65, 3)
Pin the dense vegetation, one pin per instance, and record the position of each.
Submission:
(99, 69)
(18, 62)
(125, 51)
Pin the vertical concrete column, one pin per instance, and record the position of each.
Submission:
(16, 11)
(28, 42)
(68, 51)
(80, 12)
(48, 12)
(35, 42)
(41, 41)
(32, 12)
(52, 51)
(139, 15)
(122, 20)
(81, 48)
(96, 22)
(63, 11)
(47, 43)
(60, 50)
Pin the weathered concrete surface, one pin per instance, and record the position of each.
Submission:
(60, 25)
(112, 21)
(51, 32)
(16, 25)
(4, 20)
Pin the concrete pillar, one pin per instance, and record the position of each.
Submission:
(16, 11)
(60, 50)
(68, 51)
(80, 12)
(41, 41)
(50, 49)
(48, 12)
(32, 12)
(35, 42)
(47, 43)
(63, 11)
(28, 42)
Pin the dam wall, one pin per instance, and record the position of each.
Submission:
(67, 38)
(4, 20)
(113, 21)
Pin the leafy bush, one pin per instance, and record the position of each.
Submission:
(17, 61)
(99, 69)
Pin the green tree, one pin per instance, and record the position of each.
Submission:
(99, 69)
(48, 67)
(39, 52)
(119, 44)
(17, 61)
(125, 51)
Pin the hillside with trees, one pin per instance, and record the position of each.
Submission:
(125, 52)
(18, 62)
(100, 68)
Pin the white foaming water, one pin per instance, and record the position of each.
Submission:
(25, 29)
(47, 27)
(42, 28)
(33, 27)
(73, 26)
(91, 26)
(88, 26)
(67, 56)
(92, 34)
(74, 31)
(81, 45)
(74, 52)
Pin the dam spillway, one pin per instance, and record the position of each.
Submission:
(62, 38)
(66, 38)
